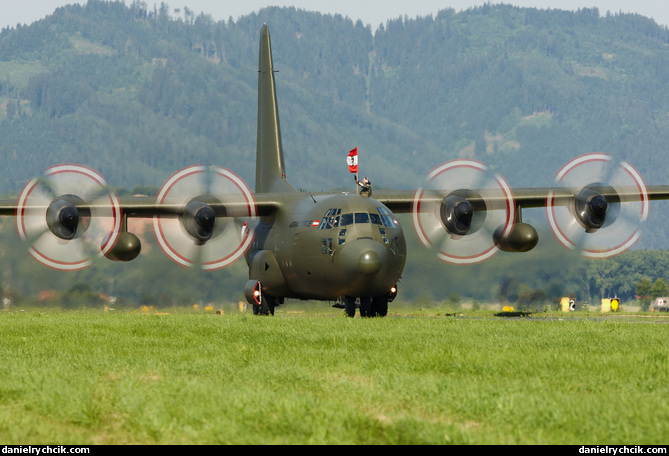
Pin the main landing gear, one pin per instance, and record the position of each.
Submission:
(266, 306)
(262, 303)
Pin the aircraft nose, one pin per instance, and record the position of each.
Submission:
(365, 267)
(369, 262)
(363, 257)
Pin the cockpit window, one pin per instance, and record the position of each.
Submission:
(330, 219)
(386, 217)
(361, 217)
(383, 218)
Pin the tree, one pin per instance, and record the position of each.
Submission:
(644, 292)
(660, 288)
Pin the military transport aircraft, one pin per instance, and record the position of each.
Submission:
(341, 247)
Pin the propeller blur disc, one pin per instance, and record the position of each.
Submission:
(231, 237)
(472, 180)
(99, 223)
(622, 224)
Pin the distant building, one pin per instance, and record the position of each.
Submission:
(660, 304)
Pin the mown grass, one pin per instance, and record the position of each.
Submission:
(193, 378)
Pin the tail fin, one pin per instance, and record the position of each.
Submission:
(270, 174)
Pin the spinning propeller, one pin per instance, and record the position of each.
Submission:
(202, 217)
(69, 216)
(459, 221)
(603, 207)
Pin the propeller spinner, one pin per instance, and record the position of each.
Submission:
(206, 226)
(458, 220)
(608, 200)
(69, 216)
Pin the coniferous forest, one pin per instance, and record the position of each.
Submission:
(138, 91)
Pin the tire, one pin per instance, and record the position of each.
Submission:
(380, 306)
(366, 307)
(349, 306)
(266, 306)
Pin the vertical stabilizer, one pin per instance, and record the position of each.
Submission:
(270, 170)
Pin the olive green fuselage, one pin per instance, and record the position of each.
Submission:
(327, 248)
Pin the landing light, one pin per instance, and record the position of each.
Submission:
(392, 294)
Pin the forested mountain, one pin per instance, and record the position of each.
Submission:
(138, 92)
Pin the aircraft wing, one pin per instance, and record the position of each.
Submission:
(73, 203)
(401, 201)
(595, 206)
(70, 215)
(232, 206)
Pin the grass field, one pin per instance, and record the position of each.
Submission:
(198, 378)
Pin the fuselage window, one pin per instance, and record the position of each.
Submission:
(326, 246)
(395, 244)
(376, 219)
(342, 237)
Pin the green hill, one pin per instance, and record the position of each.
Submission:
(136, 92)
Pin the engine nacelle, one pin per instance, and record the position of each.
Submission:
(198, 220)
(523, 238)
(590, 208)
(127, 247)
(456, 214)
(63, 217)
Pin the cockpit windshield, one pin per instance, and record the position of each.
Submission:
(332, 219)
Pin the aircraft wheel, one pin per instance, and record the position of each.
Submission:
(366, 307)
(380, 306)
(349, 306)
(266, 306)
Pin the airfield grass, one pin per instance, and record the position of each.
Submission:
(88, 377)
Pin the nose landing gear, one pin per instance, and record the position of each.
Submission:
(369, 306)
